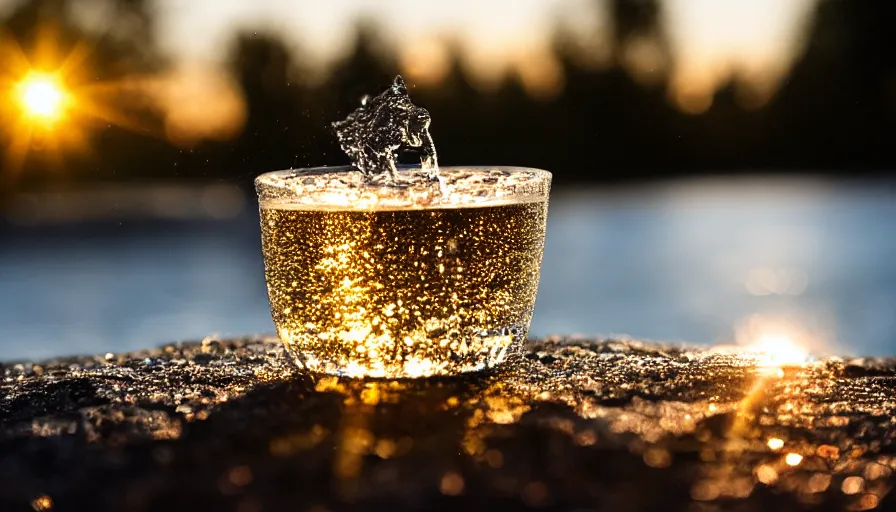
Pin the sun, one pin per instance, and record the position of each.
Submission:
(778, 349)
(51, 100)
(42, 97)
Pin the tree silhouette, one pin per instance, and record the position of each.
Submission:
(276, 131)
(837, 107)
(834, 112)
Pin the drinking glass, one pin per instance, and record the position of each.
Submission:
(404, 277)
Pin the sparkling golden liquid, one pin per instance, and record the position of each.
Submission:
(406, 292)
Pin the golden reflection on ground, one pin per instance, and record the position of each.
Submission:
(777, 350)
(773, 343)
(380, 421)
(723, 476)
(750, 429)
(603, 422)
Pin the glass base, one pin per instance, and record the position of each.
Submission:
(401, 361)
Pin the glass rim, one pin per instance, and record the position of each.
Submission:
(458, 185)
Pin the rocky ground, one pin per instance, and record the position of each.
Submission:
(576, 425)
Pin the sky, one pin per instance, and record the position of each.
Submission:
(709, 39)
(201, 29)
(495, 36)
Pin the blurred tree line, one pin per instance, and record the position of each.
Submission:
(835, 112)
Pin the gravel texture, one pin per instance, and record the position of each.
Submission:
(575, 425)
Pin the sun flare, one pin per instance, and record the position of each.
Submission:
(42, 97)
(777, 349)
(51, 98)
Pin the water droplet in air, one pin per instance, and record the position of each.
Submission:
(383, 126)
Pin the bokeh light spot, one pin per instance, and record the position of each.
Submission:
(793, 459)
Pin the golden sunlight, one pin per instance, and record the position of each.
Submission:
(42, 97)
(777, 349)
(51, 100)
(37, 99)
(775, 342)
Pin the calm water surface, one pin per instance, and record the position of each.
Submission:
(703, 262)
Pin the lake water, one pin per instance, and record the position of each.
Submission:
(708, 262)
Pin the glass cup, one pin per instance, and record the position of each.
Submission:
(405, 277)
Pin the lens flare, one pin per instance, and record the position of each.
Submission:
(51, 99)
(776, 350)
(42, 97)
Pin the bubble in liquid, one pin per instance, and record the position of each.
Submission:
(382, 127)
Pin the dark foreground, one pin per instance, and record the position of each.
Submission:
(577, 425)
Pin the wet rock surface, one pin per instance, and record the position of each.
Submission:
(576, 425)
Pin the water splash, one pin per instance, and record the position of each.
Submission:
(380, 129)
